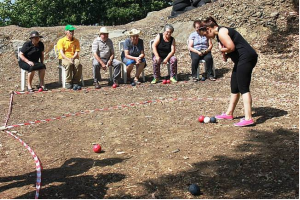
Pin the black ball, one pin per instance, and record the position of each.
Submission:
(213, 120)
(194, 189)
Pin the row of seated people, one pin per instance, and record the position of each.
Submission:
(32, 56)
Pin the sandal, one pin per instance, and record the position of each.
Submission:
(30, 90)
(44, 88)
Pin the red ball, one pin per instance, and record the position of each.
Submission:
(41, 90)
(164, 82)
(97, 148)
(115, 85)
(201, 119)
(168, 81)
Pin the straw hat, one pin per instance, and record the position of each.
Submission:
(133, 32)
(103, 30)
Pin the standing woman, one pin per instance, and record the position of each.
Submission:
(234, 46)
(200, 48)
(32, 59)
(163, 52)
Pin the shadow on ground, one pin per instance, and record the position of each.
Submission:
(67, 182)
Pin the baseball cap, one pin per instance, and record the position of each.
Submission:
(70, 28)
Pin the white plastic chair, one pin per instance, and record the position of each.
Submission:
(23, 72)
(124, 71)
(168, 64)
(62, 70)
(204, 64)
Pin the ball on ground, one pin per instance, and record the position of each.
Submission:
(97, 148)
(206, 119)
(40, 89)
(194, 189)
(164, 81)
(114, 85)
(201, 119)
(133, 83)
(213, 120)
(168, 81)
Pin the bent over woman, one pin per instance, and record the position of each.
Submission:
(234, 46)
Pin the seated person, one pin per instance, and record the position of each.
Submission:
(163, 52)
(69, 48)
(103, 51)
(30, 54)
(133, 54)
(200, 48)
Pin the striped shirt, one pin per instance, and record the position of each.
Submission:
(103, 49)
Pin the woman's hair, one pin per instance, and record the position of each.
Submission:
(196, 22)
(210, 22)
(169, 26)
(201, 23)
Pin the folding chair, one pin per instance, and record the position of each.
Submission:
(62, 70)
(168, 64)
(204, 64)
(124, 71)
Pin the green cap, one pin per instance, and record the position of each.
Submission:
(70, 28)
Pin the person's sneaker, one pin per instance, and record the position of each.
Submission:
(244, 122)
(173, 80)
(75, 87)
(224, 116)
(97, 86)
(69, 86)
(154, 81)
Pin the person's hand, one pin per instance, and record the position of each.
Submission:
(72, 60)
(200, 53)
(138, 60)
(225, 57)
(165, 61)
(157, 59)
(30, 63)
(103, 66)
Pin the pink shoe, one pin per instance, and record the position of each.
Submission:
(224, 116)
(244, 122)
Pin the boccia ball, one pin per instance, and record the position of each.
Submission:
(206, 119)
(201, 119)
(213, 120)
(168, 81)
(114, 85)
(40, 89)
(133, 83)
(164, 81)
(97, 148)
(194, 189)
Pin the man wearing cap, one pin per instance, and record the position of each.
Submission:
(32, 59)
(103, 51)
(69, 48)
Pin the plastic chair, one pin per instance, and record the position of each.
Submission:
(168, 64)
(23, 72)
(124, 71)
(62, 70)
(201, 61)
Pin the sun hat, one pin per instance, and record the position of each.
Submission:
(133, 32)
(35, 34)
(70, 28)
(103, 30)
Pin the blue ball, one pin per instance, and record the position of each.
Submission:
(78, 87)
(194, 189)
(133, 83)
(213, 120)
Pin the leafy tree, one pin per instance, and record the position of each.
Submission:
(28, 13)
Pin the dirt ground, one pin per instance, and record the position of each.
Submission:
(152, 143)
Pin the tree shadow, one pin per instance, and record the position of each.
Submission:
(268, 168)
(66, 181)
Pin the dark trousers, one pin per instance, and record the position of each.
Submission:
(208, 63)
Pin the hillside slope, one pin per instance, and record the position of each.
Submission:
(271, 27)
